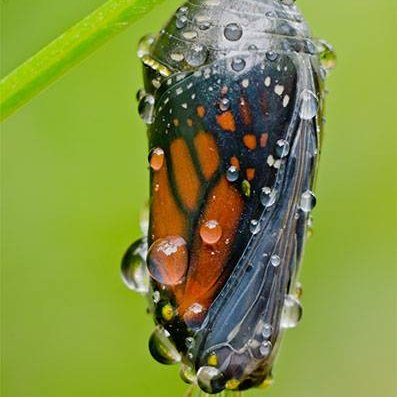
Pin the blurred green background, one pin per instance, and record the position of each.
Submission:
(74, 179)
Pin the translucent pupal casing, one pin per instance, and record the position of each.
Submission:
(233, 100)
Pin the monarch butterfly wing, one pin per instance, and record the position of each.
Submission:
(221, 134)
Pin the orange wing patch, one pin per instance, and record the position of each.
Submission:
(226, 121)
(187, 182)
(166, 217)
(207, 153)
(208, 263)
(249, 141)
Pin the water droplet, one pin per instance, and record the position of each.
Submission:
(267, 331)
(210, 379)
(282, 148)
(268, 196)
(187, 374)
(292, 312)
(181, 22)
(167, 260)
(140, 94)
(133, 267)
(309, 105)
(232, 174)
(189, 342)
(233, 31)
(194, 315)
(145, 44)
(156, 296)
(271, 56)
(265, 348)
(327, 55)
(182, 11)
(156, 158)
(196, 55)
(308, 201)
(211, 232)
(238, 64)
(252, 47)
(255, 226)
(275, 260)
(162, 348)
(224, 104)
(146, 108)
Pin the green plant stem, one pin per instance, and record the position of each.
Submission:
(67, 50)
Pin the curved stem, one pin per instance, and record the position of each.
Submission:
(67, 50)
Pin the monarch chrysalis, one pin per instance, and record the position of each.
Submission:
(233, 99)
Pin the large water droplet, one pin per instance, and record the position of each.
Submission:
(146, 108)
(162, 348)
(133, 267)
(292, 312)
(238, 64)
(308, 201)
(255, 226)
(196, 55)
(233, 31)
(210, 379)
(232, 174)
(167, 260)
(309, 105)
(282, 148)
(156, 158)
(211, 232)
(267, 196)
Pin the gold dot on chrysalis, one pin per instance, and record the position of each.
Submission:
(156, 159)
(211, 232)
